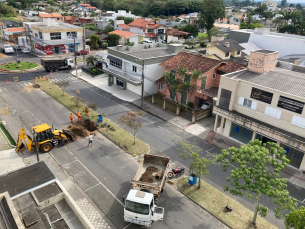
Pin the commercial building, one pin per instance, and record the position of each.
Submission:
(126, 64)
(264, 102)
(51, 37)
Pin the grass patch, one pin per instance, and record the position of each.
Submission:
(215, 201)
(204, 35)
(20, 66)
(119, 135)
(7, 134)
(96, 71)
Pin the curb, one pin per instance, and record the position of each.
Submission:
(202, 206)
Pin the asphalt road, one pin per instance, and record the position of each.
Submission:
(157, 133)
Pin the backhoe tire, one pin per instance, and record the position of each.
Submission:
(46, 147)
(64, 141)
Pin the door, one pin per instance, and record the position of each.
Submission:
(157, 214)
(183, 97)
(172, 93)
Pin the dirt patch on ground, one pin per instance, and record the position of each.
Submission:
(36, 86)
(149, 174)
(81, 129)
(2, 55)
(31, 87)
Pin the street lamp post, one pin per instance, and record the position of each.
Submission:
(142, 89)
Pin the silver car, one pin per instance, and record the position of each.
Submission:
(206, 105)
(25, 50)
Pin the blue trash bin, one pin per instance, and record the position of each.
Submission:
(100, 118)
(192, 180)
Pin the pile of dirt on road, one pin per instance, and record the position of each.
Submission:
(149, 174)
(90, 126)
(77, 131)
(36, 86)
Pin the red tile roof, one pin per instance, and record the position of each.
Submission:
(153, 26)
(70, 19)
(123, 34)
(90, 7)
(50, 15)
(150, 34)
(191, 62)
(140, 22)
(176, 32)
(14, 30)
(82, 4)
(124, 26)
(231, 67)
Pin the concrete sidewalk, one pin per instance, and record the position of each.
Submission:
(293, 176)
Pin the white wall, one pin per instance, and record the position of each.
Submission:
(134, 39)
(137, 30)
(135, 89)
(285, 45)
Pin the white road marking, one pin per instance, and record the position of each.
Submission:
(100, 182)
(70, 163)
(92, 187)
(128, 226)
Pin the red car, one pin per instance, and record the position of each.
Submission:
(83, 52)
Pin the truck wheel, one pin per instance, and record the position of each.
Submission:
(50, 69)
(56, 69)
(69, 67)
(46, 147)
(64, 141)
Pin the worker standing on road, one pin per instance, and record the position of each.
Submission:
(71, 117)
(79, 117)
(90, 139)
(87, 111)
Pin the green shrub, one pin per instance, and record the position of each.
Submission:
(202, 44)
(190, 105)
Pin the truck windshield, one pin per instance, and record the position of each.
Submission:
(137, 208)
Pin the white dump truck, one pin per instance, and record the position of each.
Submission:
(140, 203)
(54, 64)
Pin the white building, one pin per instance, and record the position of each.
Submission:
(50, 37)
(286, 44)
(125, 65)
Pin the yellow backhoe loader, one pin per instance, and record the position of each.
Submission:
(46, 137)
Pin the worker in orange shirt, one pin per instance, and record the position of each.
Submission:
(87, 111)
(71, 117)
(79, 117)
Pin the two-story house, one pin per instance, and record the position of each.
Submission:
(264, 102)
(57, 17)
(148, 27)
(51, 37)
(224, 49)
(86, 20)
(127, 64)
(128, 37)
(120, 25)
(205, 87)
(72, 20)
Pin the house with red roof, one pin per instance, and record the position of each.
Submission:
(12, 34)
(120, 25)
(128, 37)
(148, 27)
(72, 20)
(56, 16)
(203, 88)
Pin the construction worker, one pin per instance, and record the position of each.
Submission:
(71, 117)
(79, 117)
(87, 111)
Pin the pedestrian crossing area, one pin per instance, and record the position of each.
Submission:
(74, 79)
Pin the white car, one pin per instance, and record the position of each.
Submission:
(25, 50)
(206, 105)
(17, 47)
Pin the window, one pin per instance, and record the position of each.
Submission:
(247, 103)
(71, 35)
(227, 54)
(142, 209)
(238, 53)
(214, 76)
(203, 82)
(55, 36)
(115, 64)
(150, 30)
(298, 121)
(187, 78)
(40, 35)
(36, 35)
(160, 86)
(273, 112)
(134, 68)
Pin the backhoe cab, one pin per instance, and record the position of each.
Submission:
(46, 139)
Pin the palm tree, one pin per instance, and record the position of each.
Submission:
(91, 60)
(181, 70)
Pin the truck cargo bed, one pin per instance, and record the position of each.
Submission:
(143, 170)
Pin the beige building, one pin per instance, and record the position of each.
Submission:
(264, 102)
(223, 49)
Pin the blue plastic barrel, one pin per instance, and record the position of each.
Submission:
(100, 118)
(192, 180)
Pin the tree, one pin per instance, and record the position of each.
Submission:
(108, 29)
(51, 2)
(261, 9)
(127, 20)
(210, 12)
(189, 43)
(299, 6)
(296, 219)
(257, 173)
(93, 14)
(113, 39)
(63, 84)
(95, 40)
(214, 32)
(191, 151)
(130, 121)
(283, 3)
(192, 29)
(91, 60)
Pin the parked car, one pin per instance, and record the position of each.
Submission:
(17, 47)
(25, 50)
(206, 105)
(83, 52)
(147, 42)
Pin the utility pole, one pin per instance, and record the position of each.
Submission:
(84, 43)
(29, 35)
(75, 58)
(142, 91)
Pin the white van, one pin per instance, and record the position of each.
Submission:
(147, 42)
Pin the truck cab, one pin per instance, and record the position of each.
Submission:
(70, 63)
(140, 208)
